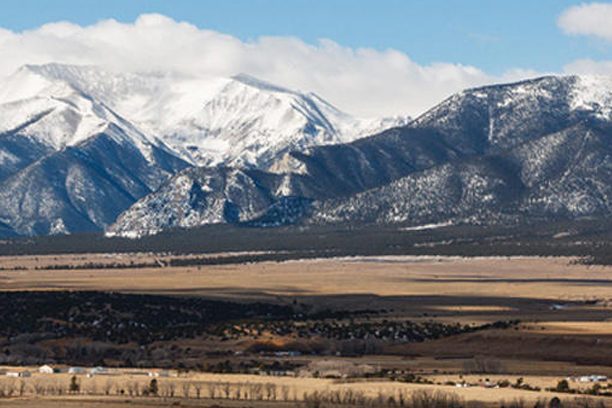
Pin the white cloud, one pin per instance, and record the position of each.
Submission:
(589, 67)
(593, 19)
(589, 19)
(361, 81)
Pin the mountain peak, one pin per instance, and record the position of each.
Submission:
(254, 82)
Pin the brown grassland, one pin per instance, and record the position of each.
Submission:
(565, 329)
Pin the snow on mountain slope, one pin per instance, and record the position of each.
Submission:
(593, 93)
(79, 145)
(57, 113)
(537, 149)
(239, 121)
(83, 187)
(562, 175)
(68, 162)
(202, 195)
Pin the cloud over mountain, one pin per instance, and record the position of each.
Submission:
(362, 81)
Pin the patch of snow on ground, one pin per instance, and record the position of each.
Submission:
(428, 226)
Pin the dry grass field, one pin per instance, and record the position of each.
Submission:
(459, 288)
(257, 390)
(565, 312)
(547, 278)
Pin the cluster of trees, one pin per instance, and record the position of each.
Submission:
(122, 318)
(596, 389)
(351, 329)
(98, 265)
(555, 403)
(303, 242)
(108, 323)
(239, 391)
(265, 391)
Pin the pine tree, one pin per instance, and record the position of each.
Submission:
(74, 385)
(153, 388)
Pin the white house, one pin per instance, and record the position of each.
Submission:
(159, 374)
(46, 369)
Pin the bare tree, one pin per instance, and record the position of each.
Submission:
(198, 389)
(108, 386)
(164, 390)
(171, 388)
(38, 387)
(93, 387)
(270, 391)
(238, 391)
(22, 388)
(58, 388)
(256, 391)
(227, 388)
(8, 389)
(212, 390)
(131, 388)
(284, 391)
(186, 388)
(140, 389)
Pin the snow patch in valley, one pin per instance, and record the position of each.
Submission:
(428, 226)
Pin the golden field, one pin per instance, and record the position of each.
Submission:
(564, 308)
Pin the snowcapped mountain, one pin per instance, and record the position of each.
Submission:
(538, 149)
(79, 145)
(534, 150)
(56, 113)
(251, 123)
(239, 121)
(83, 187)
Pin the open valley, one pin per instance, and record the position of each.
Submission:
(507, 328)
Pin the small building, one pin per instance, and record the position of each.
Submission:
(99, 370)
(159, 374)
(46, 369)
(76, 370)
(18, 374)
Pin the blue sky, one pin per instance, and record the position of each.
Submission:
(438, 46)
(492, 35)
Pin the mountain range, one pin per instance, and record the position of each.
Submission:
(79, 145)
(532, 151)
(84, 149)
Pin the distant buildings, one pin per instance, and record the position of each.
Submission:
(18, 374)
(594, 378)
(159, 374)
